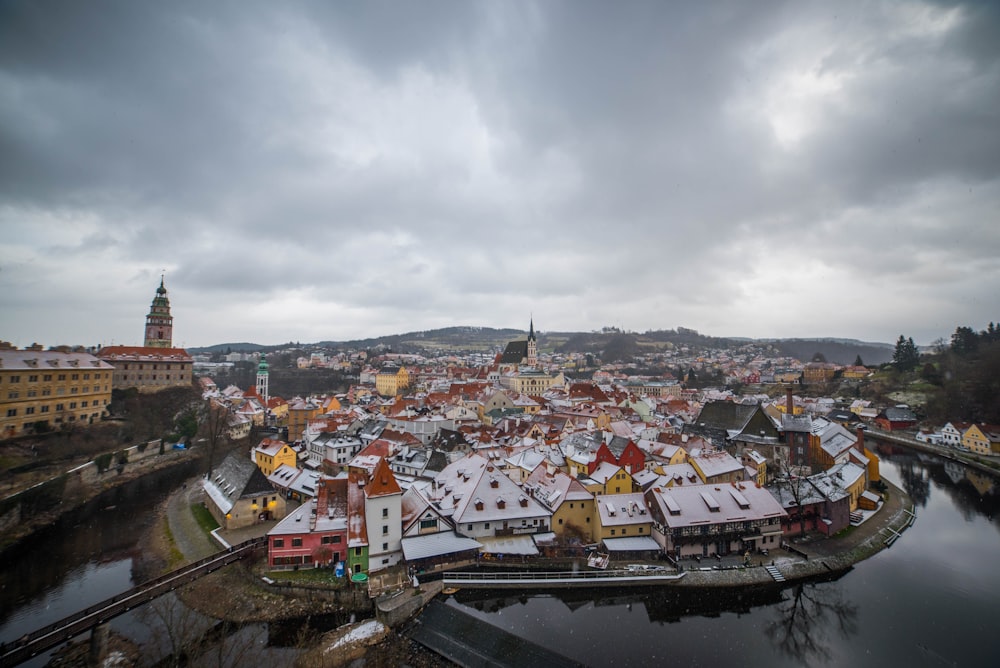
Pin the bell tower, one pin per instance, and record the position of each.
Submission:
(159, 322)
(532, 345)
(262, 379)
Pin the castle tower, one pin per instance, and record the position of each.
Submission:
(159, 322)
(532, 345)
(262, 380)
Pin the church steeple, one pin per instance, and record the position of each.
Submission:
(159, 322)
(532, 344)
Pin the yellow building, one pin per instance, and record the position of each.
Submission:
(300, 411)
(270, 454)
(390, 383)
(609, 478)
(531, 382)
(982, 439)
(853, 478)
(621, 516)
(42, 390)
(571, 505)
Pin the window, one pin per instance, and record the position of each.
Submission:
(29, 410)
(75, 376)
(86, 376)
(278, 542)
(612, 532)
(357, 552)
(385, 546)
(385, 512)
(15, 379)
(11, 412)
(431, 524)
(72, 405)
(46, 392)
(83, 404)
(62, 376)
(60, 407)
(32, 379)
(296, 542)
(13, 395)
(45, 409)
(385, 529)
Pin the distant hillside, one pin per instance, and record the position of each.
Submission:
(609, 345)
(837, 351)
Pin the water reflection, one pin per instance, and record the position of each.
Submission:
(809, 620)
(100, 533)
(926, 600)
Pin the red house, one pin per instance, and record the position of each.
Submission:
(620, 452)
(315, 534)
(896, 418)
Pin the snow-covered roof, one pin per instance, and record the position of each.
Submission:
(436, 544)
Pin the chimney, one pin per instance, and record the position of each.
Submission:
(789, 401)
(861, 438)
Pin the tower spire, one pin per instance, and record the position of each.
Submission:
(532, 344)
(159, 322)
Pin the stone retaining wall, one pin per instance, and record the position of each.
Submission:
(395, 610)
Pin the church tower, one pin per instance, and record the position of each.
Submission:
(159, 322)
(532, 345)
(262, 380)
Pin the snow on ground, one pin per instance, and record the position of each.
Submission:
(368, 629)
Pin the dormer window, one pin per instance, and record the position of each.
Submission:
(501, 503)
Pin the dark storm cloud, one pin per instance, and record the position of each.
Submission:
(328, 170)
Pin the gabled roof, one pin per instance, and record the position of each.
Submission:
(237, 477)
(515, 352)
(717, 463)
(552, 487)
(694, 505)
(382, 482)
(622, 509)
(142, 353)
(474, 490)
(726, 415)
(899, 414)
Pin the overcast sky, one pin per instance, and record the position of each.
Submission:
(335, 170)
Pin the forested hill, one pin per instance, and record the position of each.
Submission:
(837, 351)
(609, 344)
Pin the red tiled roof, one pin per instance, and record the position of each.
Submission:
(116, 352)
(382, 481)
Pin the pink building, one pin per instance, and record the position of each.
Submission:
(315, 534)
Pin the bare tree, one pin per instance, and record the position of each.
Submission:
(214, 429)
(809, 619)
(791, 484)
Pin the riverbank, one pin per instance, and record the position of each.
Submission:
(818, 556)
(235, 594)
(74, 491)
(806, 557)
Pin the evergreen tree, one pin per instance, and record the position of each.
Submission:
(905, 357)
(858, 361)
(964, 341)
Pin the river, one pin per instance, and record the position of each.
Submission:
(930, 600)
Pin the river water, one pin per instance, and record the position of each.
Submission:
(930, 600)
